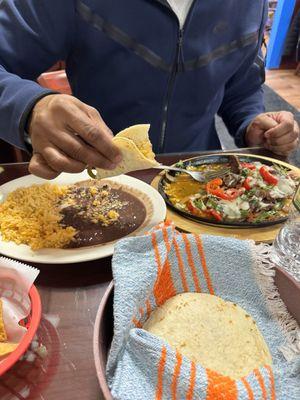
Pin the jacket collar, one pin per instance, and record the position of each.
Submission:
(164, 3)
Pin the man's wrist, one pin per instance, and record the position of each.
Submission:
(251, 139)
(241, 136)
(247, 135)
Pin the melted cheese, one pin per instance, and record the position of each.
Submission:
(179, 190)
(286, 186)
(232, 209)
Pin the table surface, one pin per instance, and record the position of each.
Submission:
(70, 299)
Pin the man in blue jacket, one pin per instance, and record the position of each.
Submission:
(171, 63)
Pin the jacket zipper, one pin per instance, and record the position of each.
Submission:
(170, 87)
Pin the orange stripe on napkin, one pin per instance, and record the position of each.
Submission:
(166, 239)
(164, 287)
(248, 388)
(156, 253)
(141, 310)
(136, 323)
(220, 387)
(148, 307)
(191, 262)
(176, 375)
(204, 264)
(190, 392)
(169, 222)
(181, 266)
(272, 382)
(260, 380)
(160, 374)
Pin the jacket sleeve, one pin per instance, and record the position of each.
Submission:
(34, 35)
(243, 97)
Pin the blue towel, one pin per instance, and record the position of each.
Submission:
(150, 269)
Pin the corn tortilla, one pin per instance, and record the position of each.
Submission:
(136, 150)
(7, 348)
(217, 334)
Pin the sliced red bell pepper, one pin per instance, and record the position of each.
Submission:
(216, 215)
(213, 185)
(229, 194)
(217, 192)
(267, 176)
(248, 165)
(247, 183)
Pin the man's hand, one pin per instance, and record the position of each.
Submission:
(67, 136)
(276, 131)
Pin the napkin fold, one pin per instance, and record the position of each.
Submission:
(150, 269)
(16, 280)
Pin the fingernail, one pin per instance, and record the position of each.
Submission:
(267, 135)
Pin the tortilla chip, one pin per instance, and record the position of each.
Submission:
(7, 348)
(136, 150)
(3, 335)
(217, 334)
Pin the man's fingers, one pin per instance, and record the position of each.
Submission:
(96, 135)
(60, 162)
(283, 149)
(39, 167)
(264, 122)
(256, 129)
(75, 148)
(280, 116)
(283, 127)
(287, 138)
(280, 130)
(96, 117)
(70, 135)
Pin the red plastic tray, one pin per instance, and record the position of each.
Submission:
(32, 324)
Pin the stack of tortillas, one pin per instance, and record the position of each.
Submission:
(136, 150)
(212, 332)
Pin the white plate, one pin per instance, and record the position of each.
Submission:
(66, 256)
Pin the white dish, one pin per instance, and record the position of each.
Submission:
(67, 256)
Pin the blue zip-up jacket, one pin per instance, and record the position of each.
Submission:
(130, 60)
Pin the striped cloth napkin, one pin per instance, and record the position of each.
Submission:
(152, 268)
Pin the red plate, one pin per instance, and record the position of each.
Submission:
(32, 324)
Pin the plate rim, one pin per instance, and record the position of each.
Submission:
(99, 362)
(99, 252)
